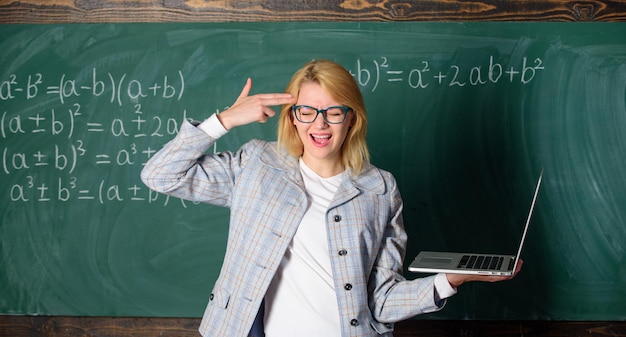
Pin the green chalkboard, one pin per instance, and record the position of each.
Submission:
(465, 115)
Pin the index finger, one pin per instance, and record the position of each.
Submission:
(276, 99)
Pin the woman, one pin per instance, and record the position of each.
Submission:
(316, 239)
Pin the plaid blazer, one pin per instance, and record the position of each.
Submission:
(264, 190)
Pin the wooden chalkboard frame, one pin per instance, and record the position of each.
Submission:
(63, 326)
(89, 11)
(57, 11)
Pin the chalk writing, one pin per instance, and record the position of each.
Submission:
(116, 88)
(423, 75)
(71, 147)
(102, 191)
(70, 138)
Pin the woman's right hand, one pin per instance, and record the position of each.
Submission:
(250, 109)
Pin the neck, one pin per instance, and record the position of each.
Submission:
(324, 168)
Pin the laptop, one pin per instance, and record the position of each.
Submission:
(471, 263)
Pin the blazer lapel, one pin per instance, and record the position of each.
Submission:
(283, 161)
(369, 180)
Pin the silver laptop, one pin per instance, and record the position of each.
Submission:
(471, 263)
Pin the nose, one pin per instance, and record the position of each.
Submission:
(319, 121)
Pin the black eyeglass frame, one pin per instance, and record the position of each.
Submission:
(345, 110)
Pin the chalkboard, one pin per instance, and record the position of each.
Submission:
(465, 115)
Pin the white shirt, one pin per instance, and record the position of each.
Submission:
(301, 299)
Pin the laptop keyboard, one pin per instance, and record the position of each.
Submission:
(481, 262)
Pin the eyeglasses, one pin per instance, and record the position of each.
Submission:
(332, 114)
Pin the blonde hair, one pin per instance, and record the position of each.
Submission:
(341, 85)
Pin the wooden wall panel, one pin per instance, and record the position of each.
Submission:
(21, 326)
(60, 11)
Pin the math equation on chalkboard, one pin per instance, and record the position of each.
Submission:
(374, 73)
(65, 141)
(72, 146)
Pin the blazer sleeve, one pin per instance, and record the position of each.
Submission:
(183, 169)
(392, 297)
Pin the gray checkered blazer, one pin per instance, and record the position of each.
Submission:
(264, 190)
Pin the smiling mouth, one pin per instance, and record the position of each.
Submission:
(320, 139)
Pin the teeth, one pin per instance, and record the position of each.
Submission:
(322, 136)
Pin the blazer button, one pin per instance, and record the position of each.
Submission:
(343, 252)
(348, 286)
(354, 322)
(337, 218)
(211, 297)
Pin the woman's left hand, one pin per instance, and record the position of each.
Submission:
(456, 280)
